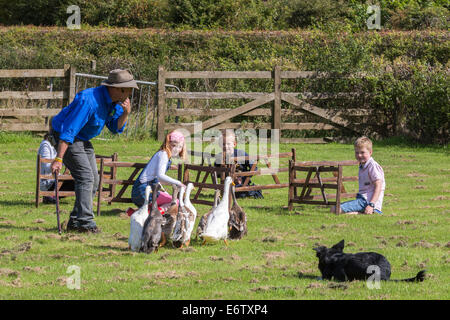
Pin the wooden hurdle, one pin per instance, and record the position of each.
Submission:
(204, 171)
(65, 175)
(110, 195)
(319, 182)
(215, 173)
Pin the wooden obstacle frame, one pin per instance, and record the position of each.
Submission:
(67, 176)
(318, 182)
(219, 173)
(105, 195)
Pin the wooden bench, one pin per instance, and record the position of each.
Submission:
(230, 170)
(319, 182)
(110, 195)
(67, 176)
(215, 173)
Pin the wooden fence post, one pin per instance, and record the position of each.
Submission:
(161, 103)
(276, 111)
(69, 84)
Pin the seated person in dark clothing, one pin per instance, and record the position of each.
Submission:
(228, 143)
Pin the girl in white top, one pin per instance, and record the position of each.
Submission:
(155, 170)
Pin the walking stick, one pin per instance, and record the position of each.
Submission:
(57, 202)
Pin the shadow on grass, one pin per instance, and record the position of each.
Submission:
(25, 228)
(301, 275)
(110, 212)
(20, 202)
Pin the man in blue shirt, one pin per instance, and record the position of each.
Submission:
(75, 125)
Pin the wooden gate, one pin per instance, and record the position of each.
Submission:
(66, 95)
(219, 116)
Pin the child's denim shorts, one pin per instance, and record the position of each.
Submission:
(358, 205)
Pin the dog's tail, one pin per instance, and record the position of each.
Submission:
(418, 278)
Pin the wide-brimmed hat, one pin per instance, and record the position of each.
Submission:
(120, 79)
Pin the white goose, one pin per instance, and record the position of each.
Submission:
(204, 218)
(180, 224)
(137, 223)
(217, 224)
(192, 215)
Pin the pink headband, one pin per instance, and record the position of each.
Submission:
(176, 136)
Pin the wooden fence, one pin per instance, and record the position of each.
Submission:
(220, 116)
(66, 96)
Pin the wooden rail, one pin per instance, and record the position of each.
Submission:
(218, 174)
(125, 183)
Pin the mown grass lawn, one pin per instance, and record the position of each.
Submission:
(274, 261)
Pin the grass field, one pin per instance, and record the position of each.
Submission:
(274, 261)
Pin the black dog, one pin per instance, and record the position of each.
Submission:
(334, 263)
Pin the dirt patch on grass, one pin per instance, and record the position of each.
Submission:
(167, 275)
(120, 236)
(401, 243)
(417, 174)
(269, 288)
(335, 285)
(34, 269)
(298, 244)
(271, 239)
(423, 244)
(7, 222)
(21, 248)
(9, 272)
(315, 285)
(402, 222)
(275, 255)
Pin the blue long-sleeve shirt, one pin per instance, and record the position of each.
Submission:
(87, 115)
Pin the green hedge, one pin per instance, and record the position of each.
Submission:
(408, 82)
(230, 14)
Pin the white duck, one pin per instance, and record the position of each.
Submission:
(192, 215)
(204, 218)
(217, 224)
(180, 224)
(137, 223)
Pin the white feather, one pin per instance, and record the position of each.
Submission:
(192, 213)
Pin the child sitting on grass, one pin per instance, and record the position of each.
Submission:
(371, 182)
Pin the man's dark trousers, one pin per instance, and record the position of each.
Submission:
(80, 159)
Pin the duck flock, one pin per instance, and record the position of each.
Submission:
(149, 229)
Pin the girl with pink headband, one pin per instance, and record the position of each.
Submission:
(155, 170)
